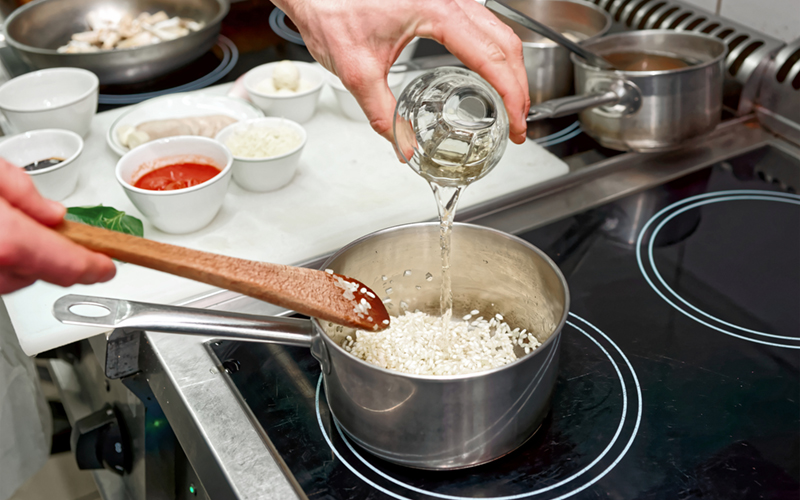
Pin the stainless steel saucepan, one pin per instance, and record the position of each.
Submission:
(646, 110)
(547, 64)
(429, 422)
(37, 29)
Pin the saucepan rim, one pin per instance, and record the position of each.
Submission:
(451, 378)
(577, 60)
(582, 5)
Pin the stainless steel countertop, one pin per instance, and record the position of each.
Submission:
(215, 431)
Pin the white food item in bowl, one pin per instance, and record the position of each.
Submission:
(285, 80)
(130, 137)
(263, 142)
(265, 173)
(298, 106)
(286, 76)
(203, 126)
(267, 86)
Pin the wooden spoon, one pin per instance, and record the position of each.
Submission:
(315, 293)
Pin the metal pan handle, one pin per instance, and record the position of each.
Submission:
(618, 98)
(183, 320)
(570, 105)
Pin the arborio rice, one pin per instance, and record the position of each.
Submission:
(415, 343)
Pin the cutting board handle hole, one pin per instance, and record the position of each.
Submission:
(90, 310)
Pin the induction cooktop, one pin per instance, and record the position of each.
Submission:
(680, 364)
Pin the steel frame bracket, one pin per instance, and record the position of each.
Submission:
(122, 353)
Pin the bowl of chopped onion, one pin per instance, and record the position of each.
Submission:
(266, 151)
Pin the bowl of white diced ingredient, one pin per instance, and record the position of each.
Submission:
(266, 151)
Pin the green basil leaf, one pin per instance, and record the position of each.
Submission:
(106, 217)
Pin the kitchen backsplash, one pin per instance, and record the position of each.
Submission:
(777, 18)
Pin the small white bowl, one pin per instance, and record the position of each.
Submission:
(63, 98)
(56, 182)
(298, 107)
(347, 101)
(181, 210)
(270, 173)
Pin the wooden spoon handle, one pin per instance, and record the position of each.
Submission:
(281, 285)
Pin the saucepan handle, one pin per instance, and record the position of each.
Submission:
(570, 105)
(115, 313)
(618, 98)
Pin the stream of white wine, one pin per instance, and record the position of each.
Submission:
(447, 180)
(459, 125)
(446, 201)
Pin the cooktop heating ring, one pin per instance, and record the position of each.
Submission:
(577, 320)
(277, 22)
(230, 56)
(685, 306)
(562, 135)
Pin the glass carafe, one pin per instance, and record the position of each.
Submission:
(450, 126)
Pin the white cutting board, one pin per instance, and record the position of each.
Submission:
(349, 183)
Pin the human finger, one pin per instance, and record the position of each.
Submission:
(511, 44)
(29, 250)
(18, 190)
(372, 92)
(478, 51)
(9, 282)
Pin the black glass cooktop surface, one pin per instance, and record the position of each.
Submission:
(680, 362)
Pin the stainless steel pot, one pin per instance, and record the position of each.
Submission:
(647, 110)
(37, 29)
(547, 64)
(430, 422)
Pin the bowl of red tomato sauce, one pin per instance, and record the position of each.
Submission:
(178, 183)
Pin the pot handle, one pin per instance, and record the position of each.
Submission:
(115, 313)
(570, 105)
(618, 98)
